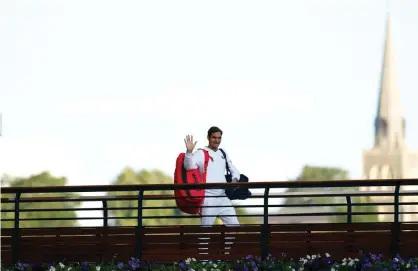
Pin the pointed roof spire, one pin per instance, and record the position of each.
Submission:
(389, 121)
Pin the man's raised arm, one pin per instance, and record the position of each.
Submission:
(193, 160)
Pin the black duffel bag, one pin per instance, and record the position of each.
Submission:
(235, 193)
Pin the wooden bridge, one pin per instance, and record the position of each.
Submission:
(177, 242)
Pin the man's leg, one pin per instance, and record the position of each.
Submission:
(206, 221)
(227, 213)
(229, 218)
(209, 213)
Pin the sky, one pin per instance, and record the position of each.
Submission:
(90, 87)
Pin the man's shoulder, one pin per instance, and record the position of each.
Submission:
(202, 149)
(223, 151)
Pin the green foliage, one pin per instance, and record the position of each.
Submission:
(128, 177)
(312, 173)
(42, 179)
(354, 209)
(168, 206)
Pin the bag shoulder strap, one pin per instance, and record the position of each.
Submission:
(226, 161)
(206, 163)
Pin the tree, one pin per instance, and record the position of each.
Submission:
(357, 218)
(129, 176)
(312, 173)
(42, 179)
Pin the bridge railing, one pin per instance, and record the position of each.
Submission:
(399, 196)
(261, 206)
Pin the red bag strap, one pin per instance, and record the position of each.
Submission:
(206, 163)
(205, 169)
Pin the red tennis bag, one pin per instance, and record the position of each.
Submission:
(189, 201)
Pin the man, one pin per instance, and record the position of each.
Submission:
(215, 174)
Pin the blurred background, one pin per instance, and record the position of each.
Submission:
(104, 92)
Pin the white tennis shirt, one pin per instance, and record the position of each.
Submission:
(216, 168)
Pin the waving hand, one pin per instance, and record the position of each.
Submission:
(189, 143)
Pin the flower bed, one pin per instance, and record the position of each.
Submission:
(283, 263)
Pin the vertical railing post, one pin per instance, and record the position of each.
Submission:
(139, 225)
(349, 210)
(105, 213)
(265, 228)
(348, 243)
(396, 224)
(16, 233)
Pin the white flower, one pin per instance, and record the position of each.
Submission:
(69, 268)
(188, 260)
(313, 257)
(344, 263)
(193, 259)
(52, 268)
(351, 263)
(327, 255)
(308, 257)
(61, 265)
(98, 268)
(408, 265)
(332, 269)
(293, 269)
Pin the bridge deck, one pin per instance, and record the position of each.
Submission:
(95, 244)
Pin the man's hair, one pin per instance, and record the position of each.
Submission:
(214, 129)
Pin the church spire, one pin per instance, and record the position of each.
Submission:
(389, 123)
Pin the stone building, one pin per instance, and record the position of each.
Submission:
(390, 157)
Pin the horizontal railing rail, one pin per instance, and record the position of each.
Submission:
(220, 185)
(18, 201)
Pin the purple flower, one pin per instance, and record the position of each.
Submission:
(182, 265)
(134, 263)
(367, 265)
(120, 265)
(85, 267)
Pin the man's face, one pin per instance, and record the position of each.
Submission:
(215, 140)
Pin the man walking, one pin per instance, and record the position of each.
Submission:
(215, 174)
